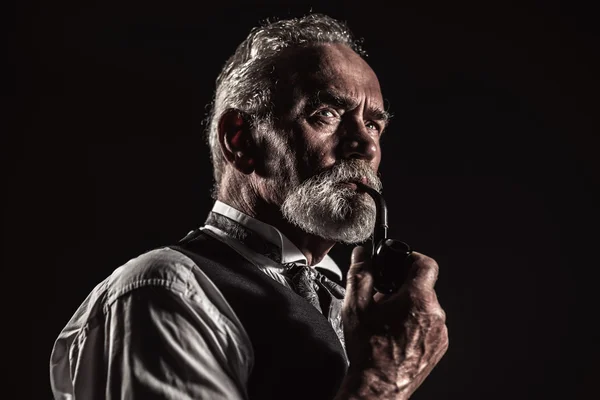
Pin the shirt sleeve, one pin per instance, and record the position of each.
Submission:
(161, 346)
(156, 328)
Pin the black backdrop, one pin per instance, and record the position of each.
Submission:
(489, 165)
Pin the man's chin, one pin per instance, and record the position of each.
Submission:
(342, 215)
(346, 231)
(349, 235)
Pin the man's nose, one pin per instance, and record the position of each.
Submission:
(359, 143)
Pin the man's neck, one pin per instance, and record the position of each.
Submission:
(313, 247)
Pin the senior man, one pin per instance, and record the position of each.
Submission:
(249, 306)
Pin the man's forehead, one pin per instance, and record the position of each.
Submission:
(324, 67)
(325, 72)
(325, 62)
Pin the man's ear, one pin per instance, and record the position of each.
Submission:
(235, 137)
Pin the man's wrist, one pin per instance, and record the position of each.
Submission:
(369, 384)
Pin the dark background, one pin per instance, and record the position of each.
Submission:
(490, 165)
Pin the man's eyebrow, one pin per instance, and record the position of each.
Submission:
(330, 97)
(379, 115)
(335, 99)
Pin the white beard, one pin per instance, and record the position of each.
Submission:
(322, 205)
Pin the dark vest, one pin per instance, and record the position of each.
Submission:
(297, 354)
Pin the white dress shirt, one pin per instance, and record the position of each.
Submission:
(162, 300)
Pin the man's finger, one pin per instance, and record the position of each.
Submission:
(359, 283)
(420, 285)
(423, 273)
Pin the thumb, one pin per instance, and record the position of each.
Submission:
(359, 282)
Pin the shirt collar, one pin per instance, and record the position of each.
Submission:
(289, 251)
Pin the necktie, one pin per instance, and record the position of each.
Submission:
(303, 281)
(319, 291)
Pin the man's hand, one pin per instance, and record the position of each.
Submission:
(393, 341)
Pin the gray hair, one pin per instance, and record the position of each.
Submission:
(246, 82)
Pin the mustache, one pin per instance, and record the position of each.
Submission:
(348, 171)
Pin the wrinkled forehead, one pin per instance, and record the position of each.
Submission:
(303, 71)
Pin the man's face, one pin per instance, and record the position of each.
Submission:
(329, 118)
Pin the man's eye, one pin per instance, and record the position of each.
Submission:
(372, 126)
(325, 112)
